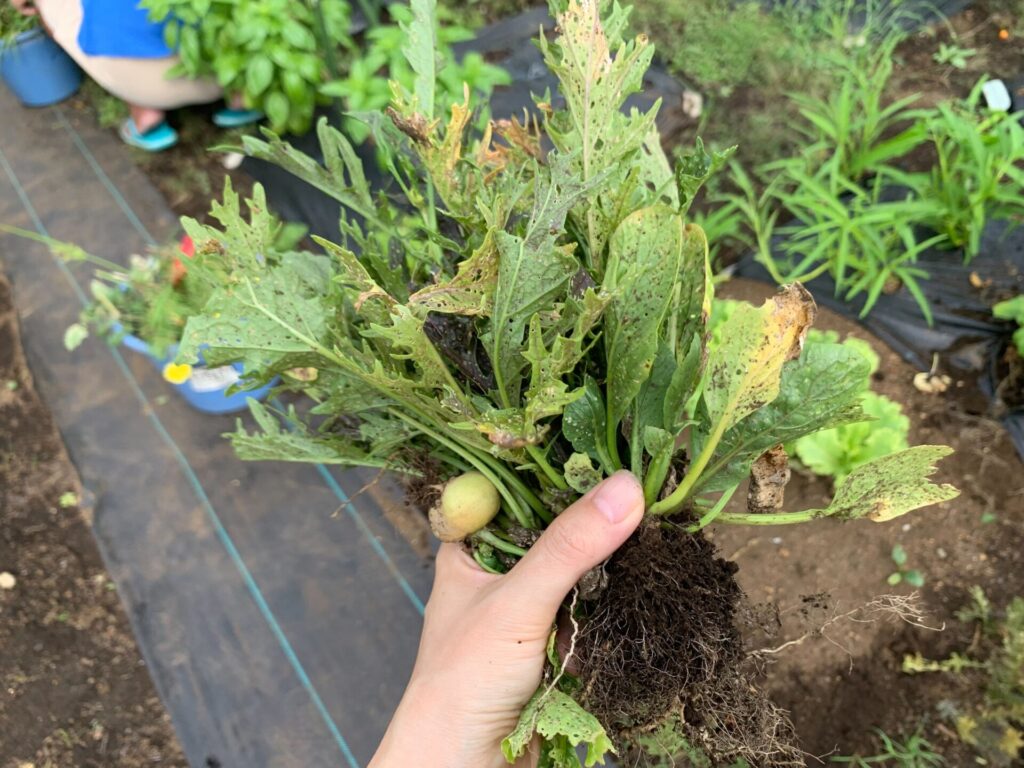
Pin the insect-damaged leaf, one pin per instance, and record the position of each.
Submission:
(264, 318)
(891, 486)
(557, 718)
(420, 51)
(532, 271)
(744, 371)
(820, 390)
(584, 424)
(643, 264)
(580, 473)
(271, 442)
(471, 290)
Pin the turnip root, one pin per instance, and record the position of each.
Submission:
(468, 503)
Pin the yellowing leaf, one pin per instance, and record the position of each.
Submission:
(744, 371)
(891, 486)
(471, 290)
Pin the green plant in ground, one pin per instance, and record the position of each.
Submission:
(270, 52)
(365, 86)
(902, 574)
(953, 55)
(532, 306)
(837, 452)
(913, 752)
(853, 129)
(1013, 310)
(13, 24)
(994, 727)
(110, 110)
(977, 177)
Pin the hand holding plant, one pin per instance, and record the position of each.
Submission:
(478, 666)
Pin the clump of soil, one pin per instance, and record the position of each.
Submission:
(661, 641)
(75, 691)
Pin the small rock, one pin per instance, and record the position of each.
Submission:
(906, 527)
(232, 160)
(776, 540)
(783, 552)
(7, 580)
(941, 553)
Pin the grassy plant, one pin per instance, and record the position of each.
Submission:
(853, 129)
(913, 752)
(977, 177)
(953, 55)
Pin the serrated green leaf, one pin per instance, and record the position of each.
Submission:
(471, 290)
(891, 486)
(420, 50)
(556, 715)
(694, 169)
(532, 271)
(272, 442)
(643, 262)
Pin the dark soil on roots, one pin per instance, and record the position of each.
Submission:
(661, 642)
(75, 692)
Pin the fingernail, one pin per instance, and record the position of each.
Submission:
(618, 496)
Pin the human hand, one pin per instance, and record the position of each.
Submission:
(484, 636)
(25, 7)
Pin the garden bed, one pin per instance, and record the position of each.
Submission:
(841, 686)
(76, 691)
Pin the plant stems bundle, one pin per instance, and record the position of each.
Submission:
(532, 306)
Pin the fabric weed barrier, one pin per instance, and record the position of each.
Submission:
(508, 43)
(277, 607)
(965, 336)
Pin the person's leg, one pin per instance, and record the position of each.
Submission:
(146, 118)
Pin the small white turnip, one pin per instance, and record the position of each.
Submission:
(468, 503)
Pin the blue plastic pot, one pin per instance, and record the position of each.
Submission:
(38, 70)
(206, 389)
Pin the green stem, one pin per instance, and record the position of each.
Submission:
(479, 465)
(612, 438)
(657, 471)
(674, 502)
(482, 562)
(771, 518)
(499, 543)
(709, 517)
(550, 472)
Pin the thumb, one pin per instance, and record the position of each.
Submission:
(584, 535)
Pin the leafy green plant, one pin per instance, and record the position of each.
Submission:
(913, 752)
(977, 177)
(993, 727)
(902, 574)
(1013, 310)
(532, 308)
(13, 23)
(366, 88)
(837, 452)
(954, 55)
(270, 52)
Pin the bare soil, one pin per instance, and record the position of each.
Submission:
(75, 690)
(842, 683)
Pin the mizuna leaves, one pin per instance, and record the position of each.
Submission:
(563, 724)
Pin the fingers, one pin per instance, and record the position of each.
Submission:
(583, 536)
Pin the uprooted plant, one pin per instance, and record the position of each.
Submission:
(530, 308)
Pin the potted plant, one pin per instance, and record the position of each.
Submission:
(34, 67)
(145, 305)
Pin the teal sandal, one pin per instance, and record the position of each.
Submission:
(235, 118)
(156, 139)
